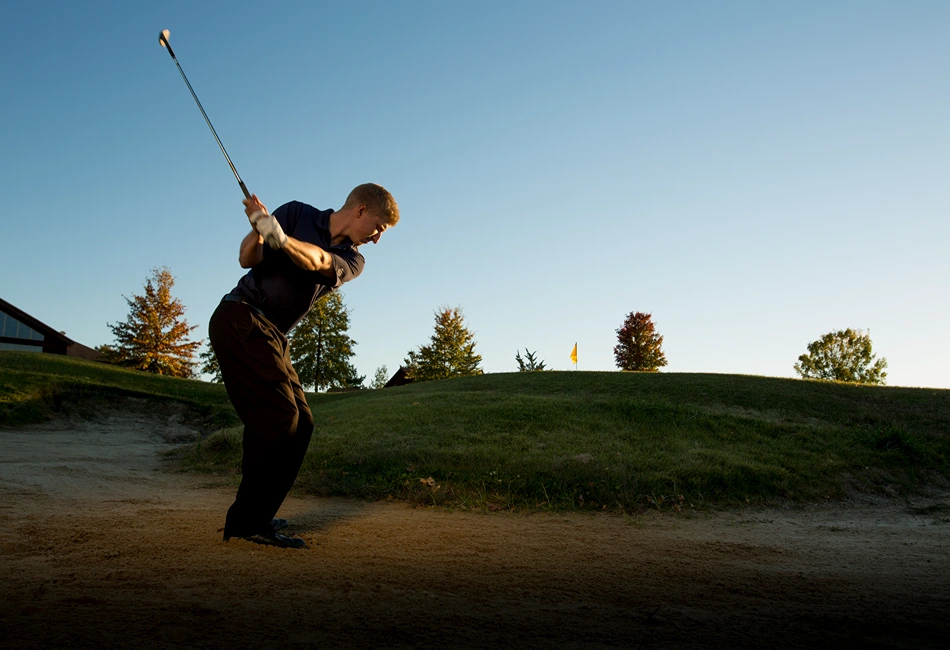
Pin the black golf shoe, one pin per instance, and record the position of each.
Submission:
(272, 538)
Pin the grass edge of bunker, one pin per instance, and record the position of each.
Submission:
(621, 442)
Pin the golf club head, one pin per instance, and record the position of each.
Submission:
(163, 41)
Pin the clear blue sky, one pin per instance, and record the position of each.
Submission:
(752, 174)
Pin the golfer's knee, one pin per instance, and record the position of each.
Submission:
(285, 419)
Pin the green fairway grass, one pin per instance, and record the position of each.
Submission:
(566, 440)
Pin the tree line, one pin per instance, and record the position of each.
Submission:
(155, 338)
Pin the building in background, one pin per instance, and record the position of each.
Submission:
(20, 331)
(398, 379)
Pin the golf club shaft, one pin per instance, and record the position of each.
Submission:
(247, 194)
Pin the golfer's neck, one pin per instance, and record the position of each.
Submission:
(337, 224)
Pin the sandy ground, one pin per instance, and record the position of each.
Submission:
(102, 546)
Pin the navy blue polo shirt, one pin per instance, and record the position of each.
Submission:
(284, 291)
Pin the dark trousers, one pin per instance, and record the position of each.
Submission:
(264, 388)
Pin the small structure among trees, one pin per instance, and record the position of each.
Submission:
(154, 337)
(399, 378)
(639, 346)
(321, 348)
(450, 353)
(843, 355)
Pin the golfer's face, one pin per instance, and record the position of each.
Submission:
(371, 228)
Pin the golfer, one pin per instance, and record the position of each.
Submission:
(295, 256)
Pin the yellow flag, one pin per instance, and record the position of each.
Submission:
(574, 354)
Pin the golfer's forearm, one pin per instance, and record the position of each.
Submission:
(252, 250)
(309, 257)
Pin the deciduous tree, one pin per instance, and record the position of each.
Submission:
(381, 378)
(321, 348)
(844, 355)
(639, 347)
(154, 337)
(450, 353)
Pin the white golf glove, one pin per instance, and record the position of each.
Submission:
(270, 230)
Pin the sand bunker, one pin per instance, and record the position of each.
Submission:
(101, 545)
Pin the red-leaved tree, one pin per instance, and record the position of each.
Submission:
(638, 344)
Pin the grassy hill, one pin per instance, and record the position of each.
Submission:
(563, 439)
(35, 386)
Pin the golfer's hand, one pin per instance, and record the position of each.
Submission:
(254, 210)
(270, 230)
(265, 224)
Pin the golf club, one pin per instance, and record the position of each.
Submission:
(163, 40)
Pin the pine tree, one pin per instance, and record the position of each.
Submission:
(638, 344)
(845, 355)
(450, 353)
(321, 349)
(529, 363)
(209, 365)
(154, 337)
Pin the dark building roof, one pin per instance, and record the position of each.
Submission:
(18, 328)
(399, 379)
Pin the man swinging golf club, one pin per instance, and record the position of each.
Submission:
(295, 256)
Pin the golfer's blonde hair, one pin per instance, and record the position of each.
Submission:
(376, 199)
